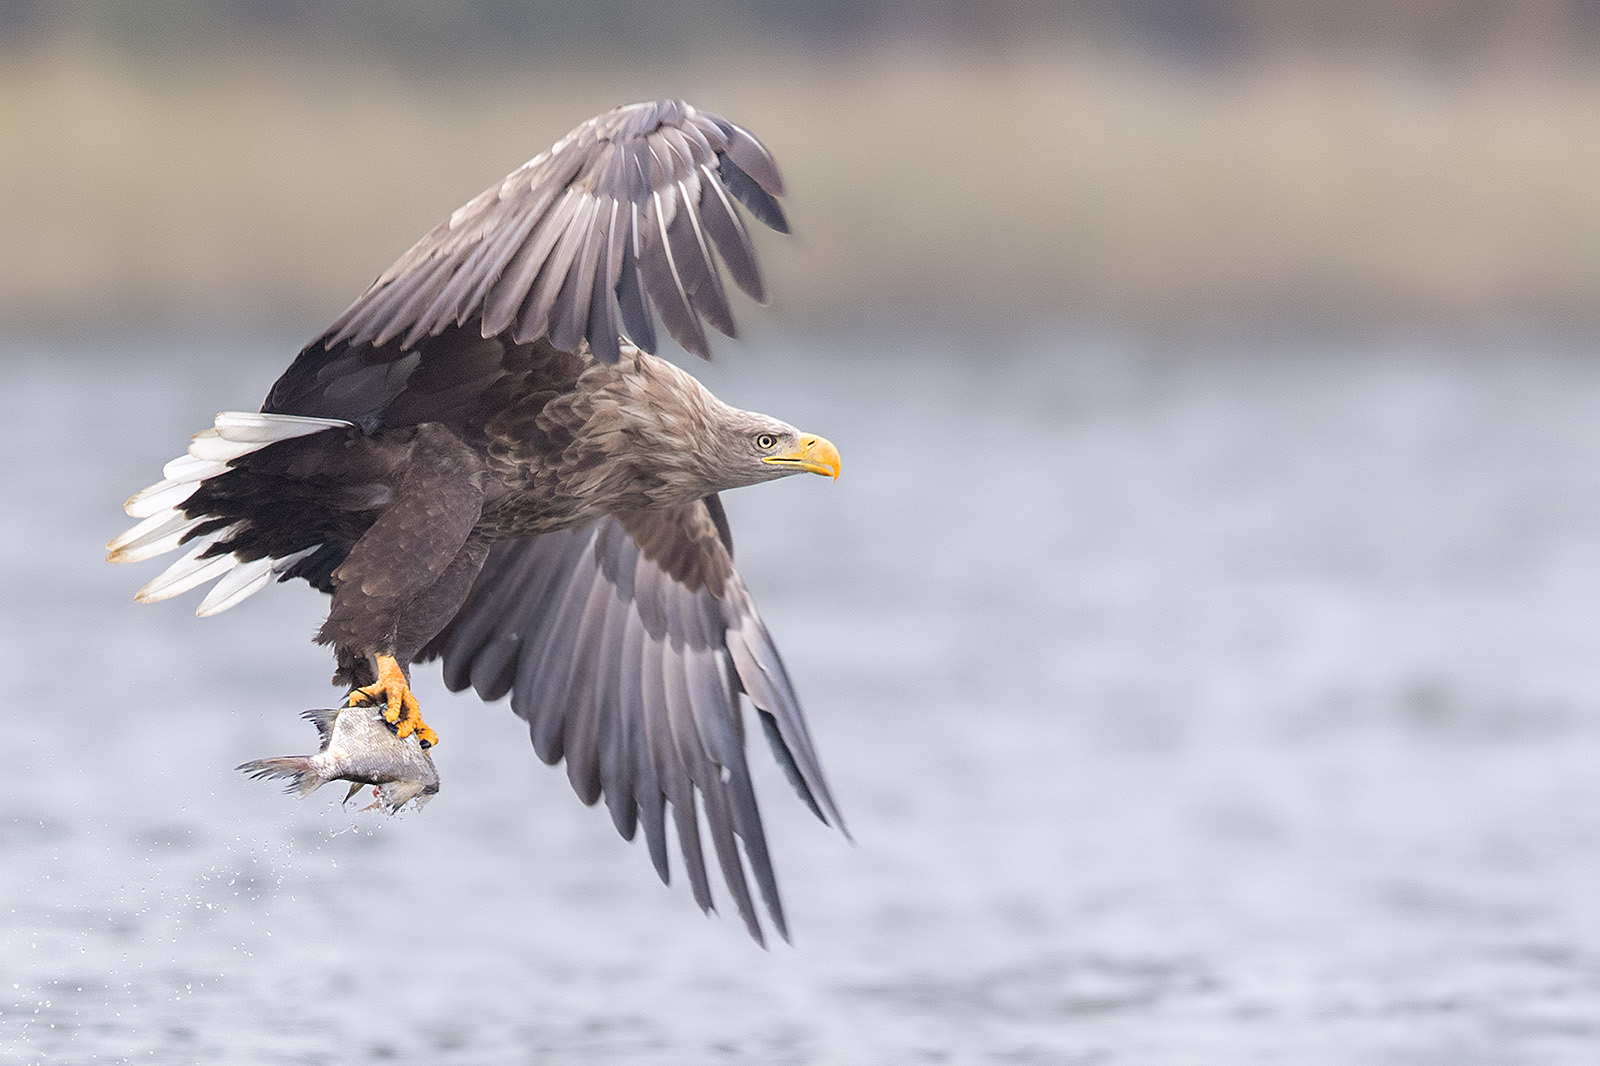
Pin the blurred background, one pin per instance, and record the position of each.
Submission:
(1205, 650)
(1155, 160)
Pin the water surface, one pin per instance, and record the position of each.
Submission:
(1189, 706)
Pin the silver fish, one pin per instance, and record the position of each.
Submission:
(358, 746)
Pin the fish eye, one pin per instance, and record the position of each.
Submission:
(766, 441)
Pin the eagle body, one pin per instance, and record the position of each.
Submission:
(481, 461)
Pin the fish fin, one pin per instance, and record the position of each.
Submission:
(323, 718)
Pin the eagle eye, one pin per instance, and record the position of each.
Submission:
(766, 441)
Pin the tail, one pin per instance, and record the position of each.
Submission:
(303, 777)
(168, 524)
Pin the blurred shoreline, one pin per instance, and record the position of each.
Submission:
(930, 184)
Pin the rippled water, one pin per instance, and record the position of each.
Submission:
(1189, 707)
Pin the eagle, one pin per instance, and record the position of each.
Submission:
(483, 461)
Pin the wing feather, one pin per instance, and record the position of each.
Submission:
(411, 300)
(603, 324)
(507, 293)
(701, 699)
(693, 253)
(676, 786)
(535, 319)
(499, 247)
(632, 300)
(721, 220)
(524, 254)
(646, 784)
(752, 158)
(612, 755)
(749, 192)
(629, 645)
(569, 316)
(661, 275)
(536, 694)
(580, 735)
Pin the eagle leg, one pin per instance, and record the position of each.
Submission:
(401, 708)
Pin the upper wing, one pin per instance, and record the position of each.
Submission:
(457, 378)
(625, 644)
(578, 242)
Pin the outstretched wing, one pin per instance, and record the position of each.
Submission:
(580, 242)
(625, 645)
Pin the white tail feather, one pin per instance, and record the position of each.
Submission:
(152, 526)
(236, 585)
(164, 523)
(156, 535)
(188, 468)
(159, 497)
(189, 571)
(280, 565)
(247, 428)
(210, 445)
(237, 433)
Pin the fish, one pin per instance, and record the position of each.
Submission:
(358, 746)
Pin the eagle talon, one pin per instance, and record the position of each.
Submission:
(400, 708)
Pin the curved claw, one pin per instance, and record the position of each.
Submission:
(401, 708)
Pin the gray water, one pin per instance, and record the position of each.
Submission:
(1189, 705)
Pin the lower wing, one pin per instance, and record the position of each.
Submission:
(626, 644)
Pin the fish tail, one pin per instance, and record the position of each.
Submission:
(302, 775)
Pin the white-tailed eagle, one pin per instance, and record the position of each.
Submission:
(481, 461)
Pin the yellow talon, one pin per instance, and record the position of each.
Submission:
(401, 708)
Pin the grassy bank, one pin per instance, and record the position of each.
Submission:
(266, 184)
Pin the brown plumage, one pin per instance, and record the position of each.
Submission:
(482, 461)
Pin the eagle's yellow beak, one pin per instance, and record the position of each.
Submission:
(816, 455)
